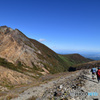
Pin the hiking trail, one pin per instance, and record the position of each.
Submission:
(66, 82)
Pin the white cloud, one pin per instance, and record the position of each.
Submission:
(41, 40)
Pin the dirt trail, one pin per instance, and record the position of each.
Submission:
(92, 86)
(42, 91)
(66, 82)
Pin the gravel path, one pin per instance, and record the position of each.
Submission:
(44, 89)
(90, 86)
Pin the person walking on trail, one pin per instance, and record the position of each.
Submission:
(93, 70)
(98, 75)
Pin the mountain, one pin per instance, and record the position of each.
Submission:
(23, 60)
(74, 59)
(30, 56)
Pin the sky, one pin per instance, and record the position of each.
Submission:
(65, 26)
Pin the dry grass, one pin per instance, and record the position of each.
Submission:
(11, 95)
(32, 98)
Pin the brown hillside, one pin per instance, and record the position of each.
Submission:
(18, 49)
(30, 56)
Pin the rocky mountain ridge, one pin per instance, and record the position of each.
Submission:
(16, 48)
(25, 58)
(31, 55)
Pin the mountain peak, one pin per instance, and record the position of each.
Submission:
(3, 26)
(5, 29)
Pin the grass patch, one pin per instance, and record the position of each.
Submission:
(7, 64)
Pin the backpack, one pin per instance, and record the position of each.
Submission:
(98, 73)
(93, 70)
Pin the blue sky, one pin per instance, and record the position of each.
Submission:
(63, 25)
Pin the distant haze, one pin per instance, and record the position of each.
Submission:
(87, 54)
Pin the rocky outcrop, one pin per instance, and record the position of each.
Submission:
(14, 46)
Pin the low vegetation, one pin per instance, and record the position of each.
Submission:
(5, 63)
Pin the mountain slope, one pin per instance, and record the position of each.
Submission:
(31, 55)
(73, 59)
(24, 60)
(10, 78)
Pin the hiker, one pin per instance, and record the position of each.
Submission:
(98, 75)
(93, 70)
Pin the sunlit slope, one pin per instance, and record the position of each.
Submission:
(32, 57)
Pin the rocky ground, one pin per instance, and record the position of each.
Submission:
(55, 89)
(91, 86)
(90, 90)
(74, 86)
